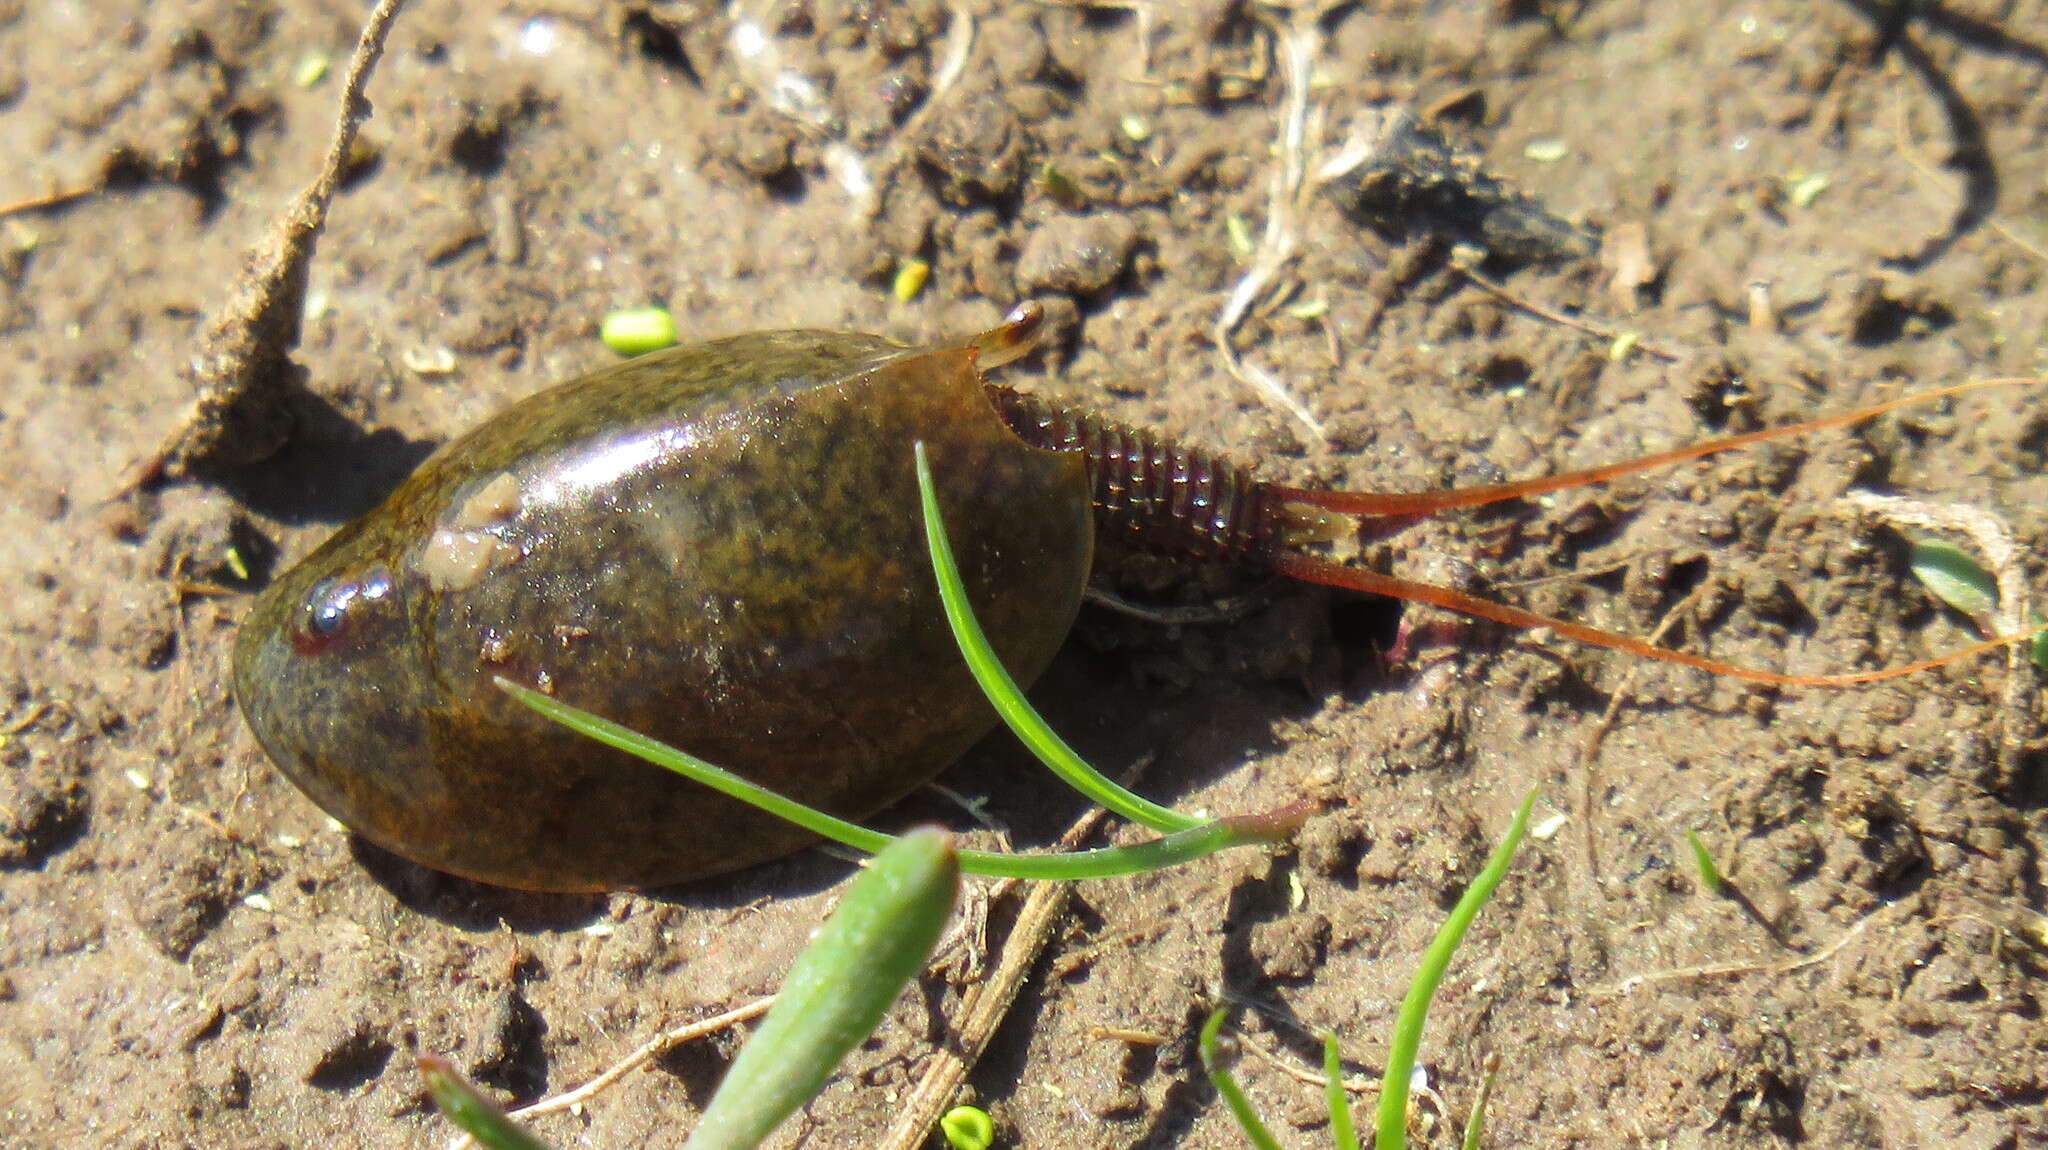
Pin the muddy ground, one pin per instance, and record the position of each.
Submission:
(1830, 202)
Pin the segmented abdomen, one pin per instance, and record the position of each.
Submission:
(1150, 492)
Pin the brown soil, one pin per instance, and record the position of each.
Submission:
(190, 954)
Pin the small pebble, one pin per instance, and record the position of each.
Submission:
(1076, 255)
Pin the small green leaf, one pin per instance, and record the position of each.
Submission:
(1802, 190)
(875, 942)
(1955, 577)
(968, 1128)
(1240, 233)
(1003, 691)
(1703, 861)
(1061, 188)
(311, 69)
(1102, 862)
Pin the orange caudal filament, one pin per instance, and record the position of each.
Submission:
(1156, 494)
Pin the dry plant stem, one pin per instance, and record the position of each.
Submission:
(239, 371)
(985, 1004)
(1294, 43)
(1501, 291)
(50, 199)
(1356, 1084)
(959, 49)
(1589, 752)
(646, 1052)
(1733, 969)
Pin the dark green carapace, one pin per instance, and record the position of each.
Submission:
(717, 545)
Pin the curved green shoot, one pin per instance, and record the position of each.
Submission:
(1226, 1085)
(471, 1112)
(1004, 693)
(1391, 1131)
(1475, 1123)
(1172, 850)
(1342, 1132)
(876, 941)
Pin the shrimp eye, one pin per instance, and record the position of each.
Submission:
(325, 616)
(327, 607)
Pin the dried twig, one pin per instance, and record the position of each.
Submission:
(646, 1052)
(1295, 44)
(241, 369)
(1506, 295)
(1733, 969)
(985, 1004)
(1589, 751)
(51, 199)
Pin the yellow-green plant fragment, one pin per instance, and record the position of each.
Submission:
(638, 330)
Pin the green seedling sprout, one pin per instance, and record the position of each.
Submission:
(1342, 1132)
(1954, 576)
(471, 1112)
(1226, 1085)
(1392, 1127)
(1475, 1123)
(1703, 861)
(1185, 838)
(968, 1128)
(1716, 882)
(1391, 1131)
(870, 948)
(835, 995)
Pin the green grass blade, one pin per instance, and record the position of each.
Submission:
(1172, 850)
(691, 767)
(836, 993)
(1391, 1131)
(471, 1112)
(1703, 862)
(1008, 699)
(1226, 1085)
(1342, 1132)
